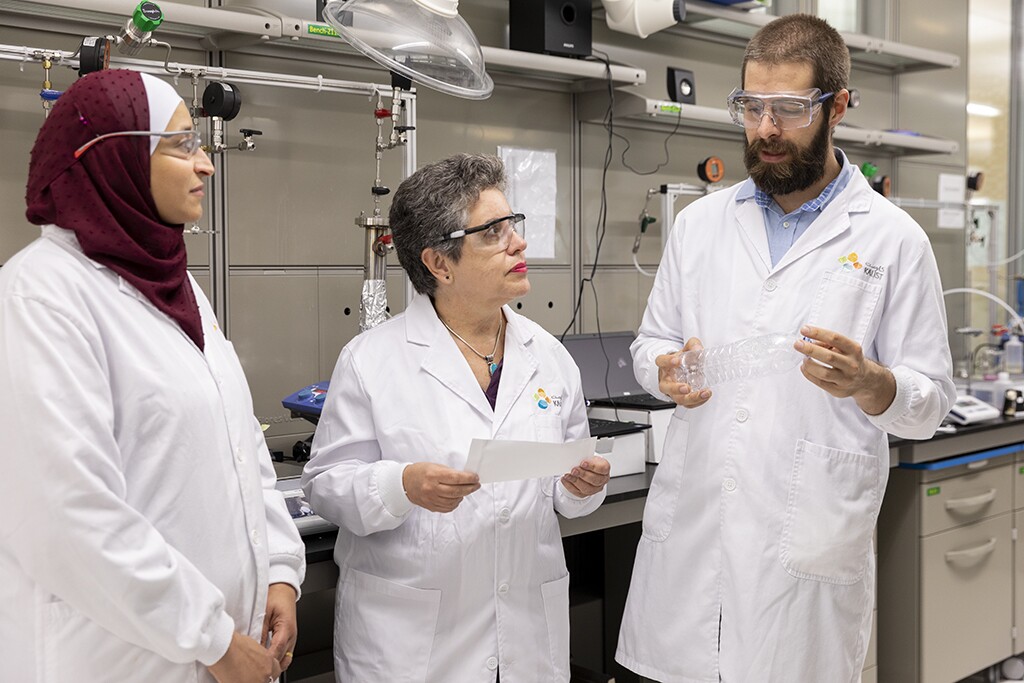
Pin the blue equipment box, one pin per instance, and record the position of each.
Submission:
(308, 402)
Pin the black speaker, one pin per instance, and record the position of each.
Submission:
(554, 27)
(681, 86)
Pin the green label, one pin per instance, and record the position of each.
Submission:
(933, 491)
(322, 30)
(666, 108)
(1021, 470)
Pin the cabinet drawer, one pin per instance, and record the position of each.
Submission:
(966, 498)
(1018, 569)
(1018, 483)
(966, 578)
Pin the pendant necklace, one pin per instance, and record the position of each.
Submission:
(489, 359)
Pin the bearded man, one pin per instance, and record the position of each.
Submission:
(755, 561)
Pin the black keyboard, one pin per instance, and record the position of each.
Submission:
(598, 423)
(599, 427)
(641, 401)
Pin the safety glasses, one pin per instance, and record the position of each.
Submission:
(497, 233)
(184, 143)
(787, 110)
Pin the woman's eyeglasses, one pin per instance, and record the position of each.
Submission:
(497, 232)
(184, 143)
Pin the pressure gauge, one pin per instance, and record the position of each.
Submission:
(222, 100)
(93, 55)
(711, 170)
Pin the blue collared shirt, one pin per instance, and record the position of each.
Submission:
(785, 228)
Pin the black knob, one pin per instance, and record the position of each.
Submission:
(249, 132)
(380, 190)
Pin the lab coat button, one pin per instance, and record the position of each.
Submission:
(503, 588)
(492, 663)
(238, 454)
(729, 484)
(771, 285)
(254, 535)
(505, 514)
(742, 415)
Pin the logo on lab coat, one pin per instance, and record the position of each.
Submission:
(545, 401)
(850, 262)
(873, 271)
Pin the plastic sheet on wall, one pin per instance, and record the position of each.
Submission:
(532, 190)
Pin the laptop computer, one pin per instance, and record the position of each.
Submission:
(606, 368)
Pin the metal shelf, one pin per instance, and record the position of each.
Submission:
(630, 107)
(865, 51)
(233, 29)
(573, 72)
(179, 19)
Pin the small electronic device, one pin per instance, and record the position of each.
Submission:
(970, 409)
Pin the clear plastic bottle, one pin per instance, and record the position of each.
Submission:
(1013, 355)
(768, 354)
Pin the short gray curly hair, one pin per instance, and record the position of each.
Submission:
(435, 201)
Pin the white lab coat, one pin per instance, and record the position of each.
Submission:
(425, 596)
(755, 561)
(139, 525)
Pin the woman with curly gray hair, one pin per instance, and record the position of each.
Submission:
(442, 578)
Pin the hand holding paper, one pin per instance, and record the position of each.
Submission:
(515, 460)
(588, 478)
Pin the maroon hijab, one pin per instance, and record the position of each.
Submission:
(104, 196)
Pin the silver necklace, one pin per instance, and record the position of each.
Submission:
(489, 359)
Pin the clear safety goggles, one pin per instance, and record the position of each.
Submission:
(497, 233)
(787, 110)
(184, 143)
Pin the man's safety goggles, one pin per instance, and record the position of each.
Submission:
(787, 110)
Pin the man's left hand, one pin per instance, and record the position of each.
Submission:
(588, 477)
(280, 623)
(871, 385)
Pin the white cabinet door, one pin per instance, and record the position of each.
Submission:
(966, 576)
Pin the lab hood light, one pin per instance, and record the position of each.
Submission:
(978, 109)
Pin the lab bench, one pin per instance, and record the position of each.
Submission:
(940, 622)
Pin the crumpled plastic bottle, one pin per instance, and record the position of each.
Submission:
(767, 354)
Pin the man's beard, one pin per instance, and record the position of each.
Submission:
(804, 167)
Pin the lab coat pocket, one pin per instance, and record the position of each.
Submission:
(385, 630)
(832, 507)
(556, 613)
(548, 428)
(845, 304)
(660, 509)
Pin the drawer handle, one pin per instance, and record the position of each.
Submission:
(961, 504)
(974, 553)
(977, 464)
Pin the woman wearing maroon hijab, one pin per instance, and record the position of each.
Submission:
(141, 535)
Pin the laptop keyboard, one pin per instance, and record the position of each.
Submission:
(598, 423)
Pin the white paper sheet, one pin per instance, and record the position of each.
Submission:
(515, 460)
(951, 189)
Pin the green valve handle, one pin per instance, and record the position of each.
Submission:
(147, 16)
(868, 169)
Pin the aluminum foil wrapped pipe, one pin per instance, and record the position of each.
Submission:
(373, 304)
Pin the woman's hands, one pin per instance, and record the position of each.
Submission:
(437, 488)
(281, 623)
(588, 478)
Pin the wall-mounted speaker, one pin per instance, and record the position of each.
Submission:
(554, 27)
(682, 87)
